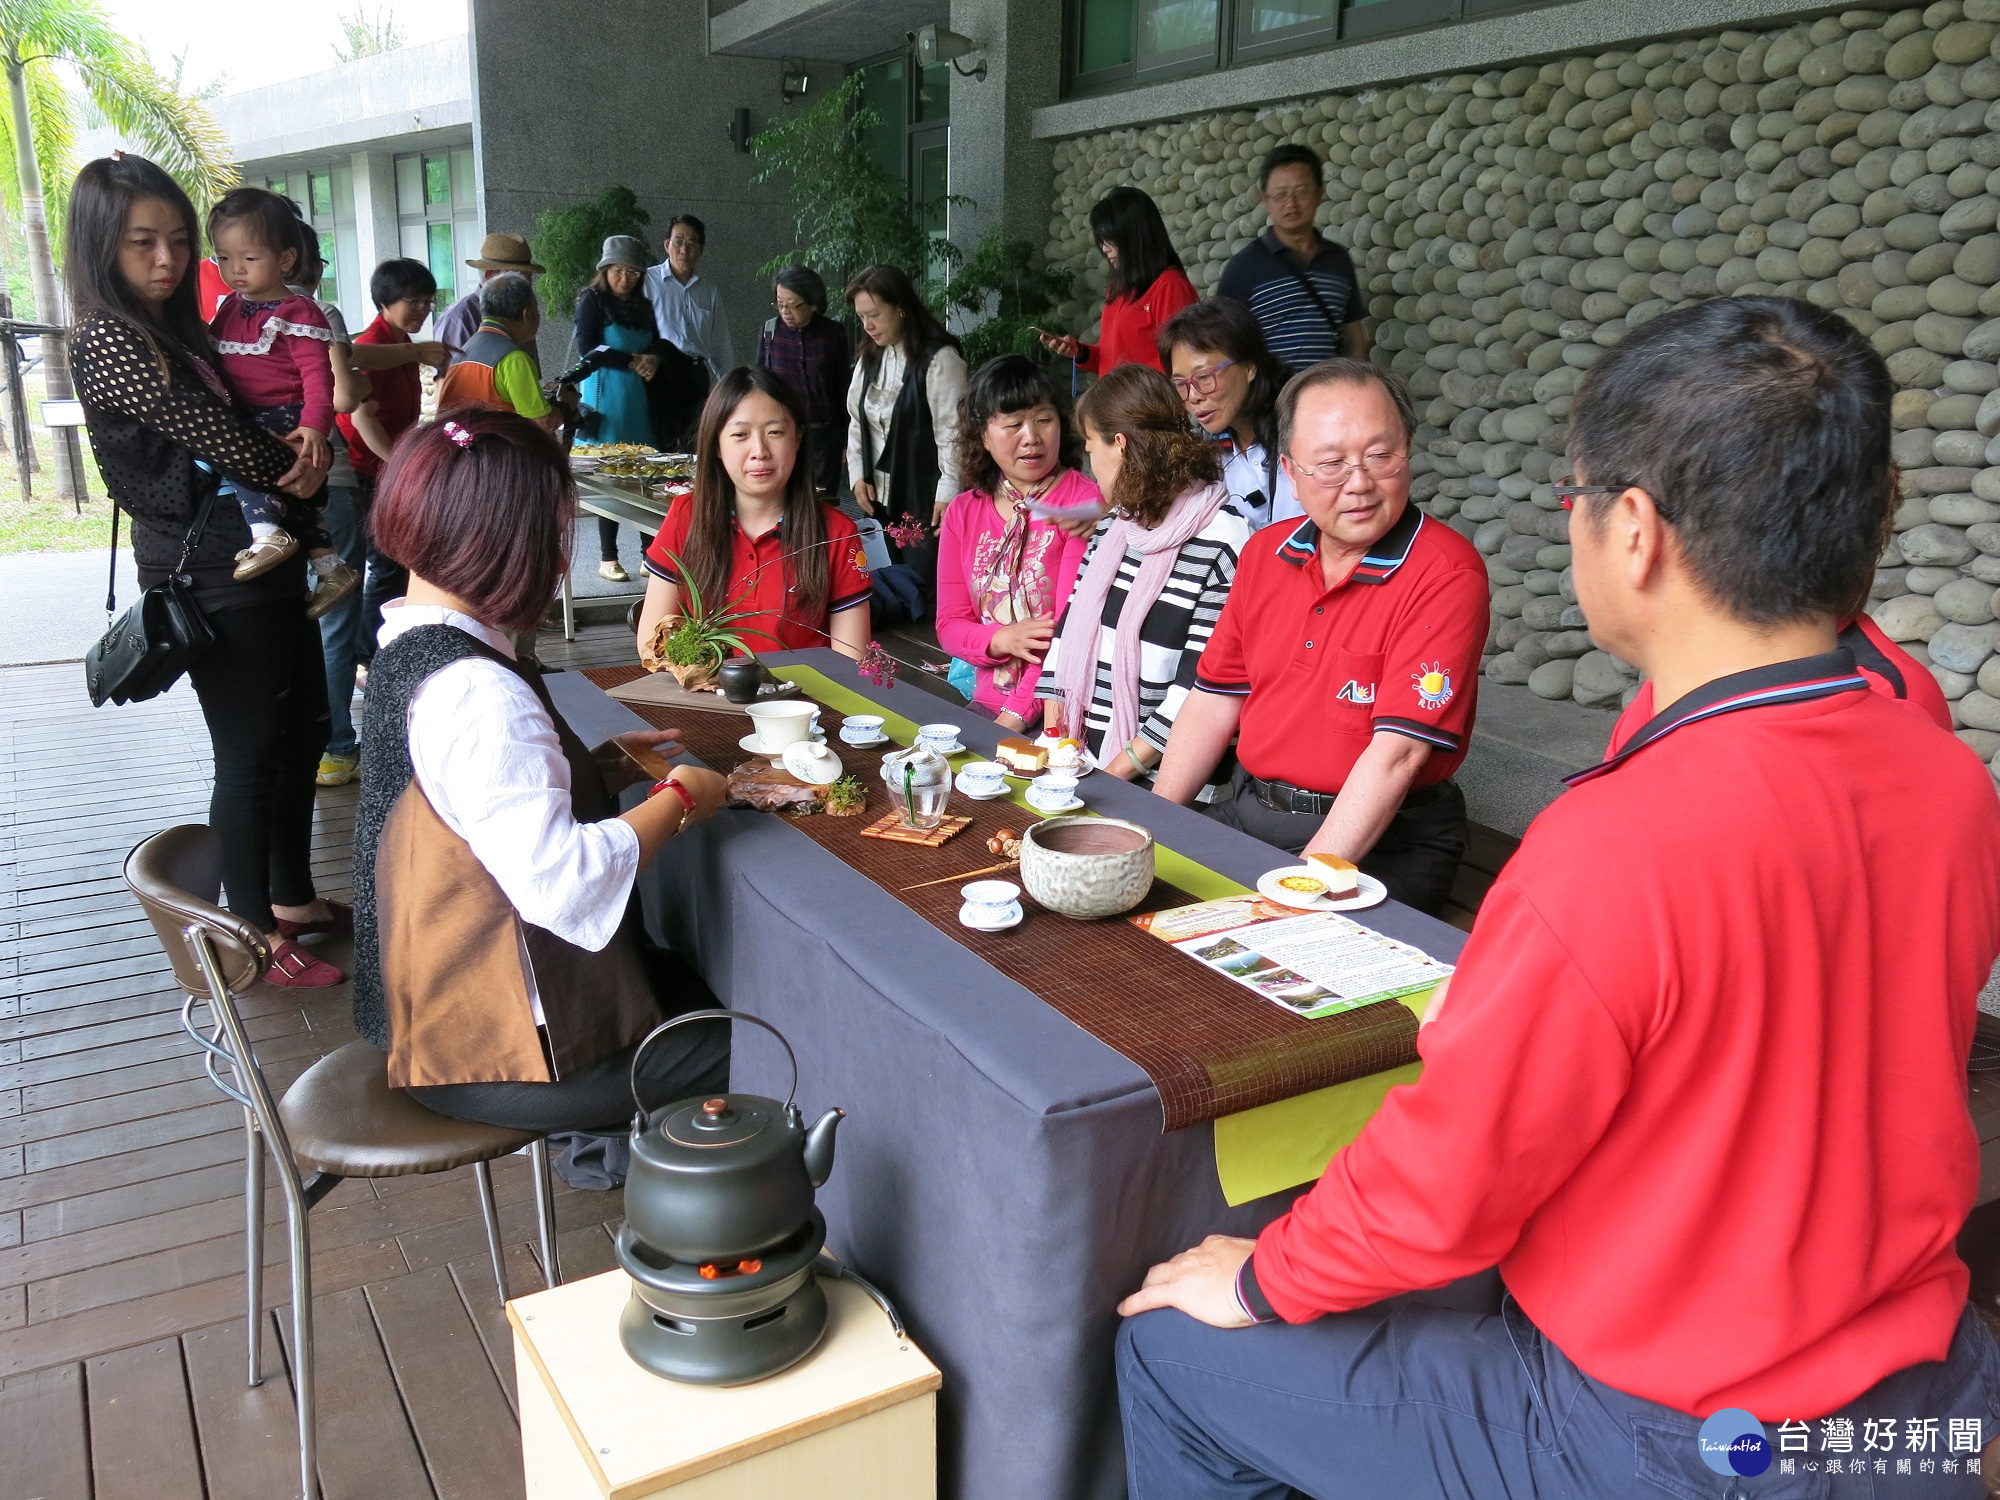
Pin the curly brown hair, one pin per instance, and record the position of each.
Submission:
(1006, 384)
(1164, 457)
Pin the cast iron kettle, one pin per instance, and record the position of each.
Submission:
(724, 1177)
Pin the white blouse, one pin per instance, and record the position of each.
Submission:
(873, 406)
(487, 757)
(1244, 474)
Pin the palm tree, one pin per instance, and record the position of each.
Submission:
(38, 37)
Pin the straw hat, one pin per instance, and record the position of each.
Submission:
(624, 250)
(505, 252)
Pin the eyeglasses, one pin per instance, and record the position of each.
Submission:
(1338, 473)
(1202, 384)
(1566, 494)
(1293, 195)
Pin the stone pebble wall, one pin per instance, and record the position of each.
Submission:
(1510, 226)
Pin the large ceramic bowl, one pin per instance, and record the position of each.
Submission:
(1087, 867)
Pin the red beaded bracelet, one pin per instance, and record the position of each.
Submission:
(668, 784)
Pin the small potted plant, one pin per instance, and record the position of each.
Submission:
(694, 644)
(846, 798)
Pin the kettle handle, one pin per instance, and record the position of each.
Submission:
(717, 1014)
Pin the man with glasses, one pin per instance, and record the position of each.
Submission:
(1346, 662)
(1301, 286)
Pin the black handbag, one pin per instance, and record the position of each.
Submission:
(148, 648)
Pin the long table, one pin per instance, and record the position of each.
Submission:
(610, 502)
(1002, 1174)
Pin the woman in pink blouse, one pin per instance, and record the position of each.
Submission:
(1004, 572)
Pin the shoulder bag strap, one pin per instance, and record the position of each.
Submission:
(1334, 325)
(193, 537)
(111, 583)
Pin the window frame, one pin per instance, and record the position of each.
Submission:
(1243, 47)
(914, 129)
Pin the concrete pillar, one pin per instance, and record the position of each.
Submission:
(375, 234)
(995, 159)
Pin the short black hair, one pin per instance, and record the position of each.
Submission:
(804, 283)
(399, 279)
(1130, 222)
(1290, 155)
(508, 296)
(273, 218)
(1344, 371)
(1008, 383)
(700, 229)
(1760, 427)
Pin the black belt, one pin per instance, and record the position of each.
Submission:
(1282, 796)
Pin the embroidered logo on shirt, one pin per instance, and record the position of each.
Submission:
(1354, 692)
(1433, 685)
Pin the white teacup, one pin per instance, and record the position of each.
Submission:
(981, 778)
(990, 904)
(861, 729)
(938, 736)
(1052, 790)
(782, 723)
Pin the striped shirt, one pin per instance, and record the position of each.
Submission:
(1170, 639)
(1265, 277)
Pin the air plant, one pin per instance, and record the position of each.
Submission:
(699, 639)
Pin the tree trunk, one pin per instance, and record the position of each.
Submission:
(42, 276)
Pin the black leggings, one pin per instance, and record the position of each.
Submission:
(607, 540)
(262, 688)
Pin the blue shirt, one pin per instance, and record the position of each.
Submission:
(1265, 277)
(691, 318)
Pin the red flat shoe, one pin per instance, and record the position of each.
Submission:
(340, 924)
(293, 968)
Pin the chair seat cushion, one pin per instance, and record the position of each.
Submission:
(343, 1118)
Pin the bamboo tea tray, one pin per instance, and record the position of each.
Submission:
(891, 827)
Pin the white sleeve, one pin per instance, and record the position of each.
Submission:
(857, 422)
(486, 754)
(944, 385)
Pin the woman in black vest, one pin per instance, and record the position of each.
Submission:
(166, 431)
(499, 955)
(902, 409)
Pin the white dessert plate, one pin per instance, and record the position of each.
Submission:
(1082, 770)
(992, 927)
(1372, 892)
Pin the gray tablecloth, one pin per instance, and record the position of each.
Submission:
(1002, 1174)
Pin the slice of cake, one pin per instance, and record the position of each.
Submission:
(1020, 757)
(1066, 755)
(1342, 878)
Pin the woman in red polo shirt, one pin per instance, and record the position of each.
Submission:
(753, 536)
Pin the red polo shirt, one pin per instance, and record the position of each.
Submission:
(399, 398)
(1699, 1086)
(1393, 647)
(1890, 670)
(760, 581)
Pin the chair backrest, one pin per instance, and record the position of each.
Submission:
(177, 876)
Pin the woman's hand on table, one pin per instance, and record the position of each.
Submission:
(1025, 640)
(1200, 1282)
(637, 755)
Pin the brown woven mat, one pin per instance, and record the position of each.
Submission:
(1211, 1047)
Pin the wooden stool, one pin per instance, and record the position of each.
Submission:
(855, 1420)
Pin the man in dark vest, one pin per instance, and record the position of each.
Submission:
(495, 369)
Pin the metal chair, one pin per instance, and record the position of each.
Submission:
(340, 1119)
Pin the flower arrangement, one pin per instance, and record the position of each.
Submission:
(695, 643)
(906, 531)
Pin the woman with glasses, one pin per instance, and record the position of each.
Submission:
(809, 350)
(1345, 666)
(1155, 575)
(1229, 381)
(1148, 285)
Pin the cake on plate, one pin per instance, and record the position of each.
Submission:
(1342, 878)
(1021, 757)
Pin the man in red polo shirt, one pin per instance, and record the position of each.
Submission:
(1699, 1085)
(1346, 662)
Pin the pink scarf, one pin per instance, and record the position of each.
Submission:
(1158, 548)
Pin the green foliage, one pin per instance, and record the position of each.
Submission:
(569, 240)
(366, 35)
(704, 636)
(1001, 281)
(846, 796)
(848, 214)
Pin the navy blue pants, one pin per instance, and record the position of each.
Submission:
(1436, 1395)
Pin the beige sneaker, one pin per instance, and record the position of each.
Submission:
(613, 572)
(330, 588)
(265, 553)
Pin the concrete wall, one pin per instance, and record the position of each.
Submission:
(1512, 224)
(393, 94)
(996, 160)
(575, 96)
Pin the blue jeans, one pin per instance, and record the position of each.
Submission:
(1448, 1394)
(340, 627)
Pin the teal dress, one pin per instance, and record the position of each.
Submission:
(619, 396)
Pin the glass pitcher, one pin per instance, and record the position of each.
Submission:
(919, 782)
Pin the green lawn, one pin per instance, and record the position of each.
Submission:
(43, 523)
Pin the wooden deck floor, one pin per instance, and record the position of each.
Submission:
(121, 1284)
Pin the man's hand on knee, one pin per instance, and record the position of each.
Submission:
(1200, 1282)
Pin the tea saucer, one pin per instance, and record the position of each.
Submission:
(959, 785)
(1061, 807)
(756, 746)
(954, 748)
(880, 739)
(1015, 921)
